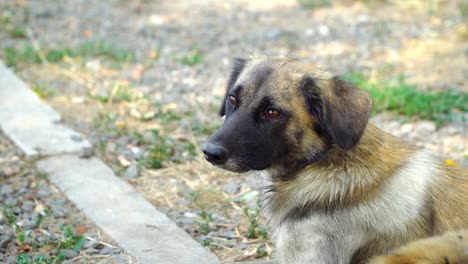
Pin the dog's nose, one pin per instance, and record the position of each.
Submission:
(215, 154)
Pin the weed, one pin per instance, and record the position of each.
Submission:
(24, 259)
(261, 252)
(252, 215)
(104, 49)
(160, 151)
(204, 223)
(21, 238)
(43, 91)
(312, 4)
(27, 54)
(205, 242)
(405, 99)
(192, 58)
(71, 239)
(102, 145)
(18, 32)
(9, 216)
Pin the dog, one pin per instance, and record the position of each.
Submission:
(334, 188)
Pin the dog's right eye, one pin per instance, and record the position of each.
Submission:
(232, 100)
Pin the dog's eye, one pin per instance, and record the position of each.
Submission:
(233, 100)
(272, 113)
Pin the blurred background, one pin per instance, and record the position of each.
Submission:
(143, 81)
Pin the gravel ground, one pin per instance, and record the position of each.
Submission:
(38, 222)
(149, 98)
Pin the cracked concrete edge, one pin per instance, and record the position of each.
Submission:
(135, 224)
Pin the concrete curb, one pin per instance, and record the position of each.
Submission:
(144, 232)
(30, 123)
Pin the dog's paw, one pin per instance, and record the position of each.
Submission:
(450, 248)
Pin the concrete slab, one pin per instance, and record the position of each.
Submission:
(31, 123)
(123, 213)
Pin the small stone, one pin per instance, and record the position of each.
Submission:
(5, 240)
(91, 244)
(230, 234)
(106, 250)
(231, 188)
(86, 152)
(28, 205)
(243, 246)
(27, 225)
(133, 171)
(425, 127)
(5, 189)
(76, 138)
(323, 30)
(111, 147)
(119, 259)
(406, 128)
(184, 221)
(69, 253)
(11, 201)
(92, 251)
(44, 191)
(191, 215)
(41, 239)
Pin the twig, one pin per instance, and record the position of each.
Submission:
(36, 46)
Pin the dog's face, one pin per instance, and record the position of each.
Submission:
(281, 113)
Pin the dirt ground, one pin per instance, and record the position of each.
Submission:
(146, 91)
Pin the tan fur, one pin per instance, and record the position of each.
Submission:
(361, 192)
(450, 248)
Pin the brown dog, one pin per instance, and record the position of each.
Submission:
(334, 188)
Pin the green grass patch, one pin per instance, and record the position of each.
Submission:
(90, 49)
(405, 99)
(192, 58)
(312, 4)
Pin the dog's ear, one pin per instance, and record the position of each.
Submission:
(341, 109)
(237, 68)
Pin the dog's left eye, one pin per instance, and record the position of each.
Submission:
(233, 100)
(272, 113)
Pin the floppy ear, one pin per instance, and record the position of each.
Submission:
(341, 108)
(237, 68)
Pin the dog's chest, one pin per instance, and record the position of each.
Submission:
(392, 213)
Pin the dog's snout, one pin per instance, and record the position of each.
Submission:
(215, 154)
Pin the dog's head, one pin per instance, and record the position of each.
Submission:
(281, 113)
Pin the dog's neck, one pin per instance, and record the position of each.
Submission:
(342, 178)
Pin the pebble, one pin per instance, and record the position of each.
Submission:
(6, 189)
(69, 253)
(86, 152)
(191, 215)
(406, 128)
(28, 205)
(231, 188)
(106, 250)
(27, 225)
(92, 251)
(243, 246)
(133, 171)
(76, 138)
(425, 128)
(91, 243)
(323, 30)
(5, 240)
